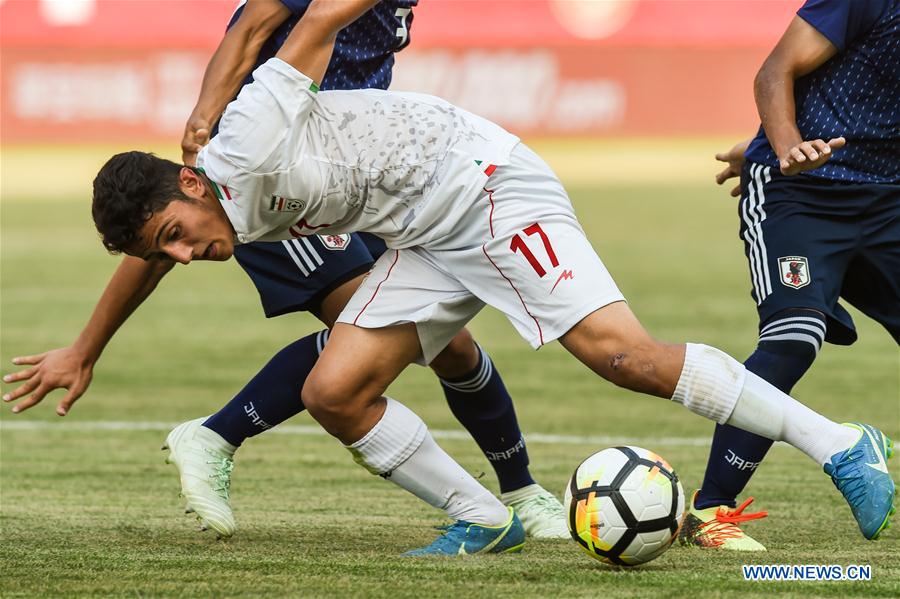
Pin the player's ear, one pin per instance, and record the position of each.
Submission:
(191, 183)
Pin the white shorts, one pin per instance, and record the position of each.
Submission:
(521, 250)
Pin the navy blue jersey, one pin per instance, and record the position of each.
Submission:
(855, 94)
(364, 51)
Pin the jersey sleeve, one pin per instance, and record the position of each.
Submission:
(263, 128)
(842, 21)
(297, 7)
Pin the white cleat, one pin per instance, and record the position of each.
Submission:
(204, 461)
(541, 513)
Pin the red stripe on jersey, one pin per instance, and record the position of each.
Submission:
(490, 193)
(371, 299)
(524, 305)
(490, 169)
(227, 193)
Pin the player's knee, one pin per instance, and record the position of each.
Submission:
(459, 358)
(332, 401)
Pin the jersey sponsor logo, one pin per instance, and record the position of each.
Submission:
(336, 242)
(282, 204)
(566, 275)
(794, 271)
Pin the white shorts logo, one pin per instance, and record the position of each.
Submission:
(794, 271)
(336, 242)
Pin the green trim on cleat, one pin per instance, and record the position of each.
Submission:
(204, 462)
(861, 474)
(541, 513)
(467, 538)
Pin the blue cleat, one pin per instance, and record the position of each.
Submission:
(860, 473)
(465, 538)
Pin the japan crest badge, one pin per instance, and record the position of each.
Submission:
(336, 242)
(794, 271)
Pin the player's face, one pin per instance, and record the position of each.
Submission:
(194, 228)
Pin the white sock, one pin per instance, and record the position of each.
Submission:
(718, 387)
(766, 411)
(710, 382)
(400, 449)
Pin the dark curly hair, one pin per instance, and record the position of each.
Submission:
(129, 189)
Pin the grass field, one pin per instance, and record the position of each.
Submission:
(89, 508)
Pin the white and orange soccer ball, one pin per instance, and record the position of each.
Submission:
(625, 505)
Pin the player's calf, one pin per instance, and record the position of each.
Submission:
(612, 343)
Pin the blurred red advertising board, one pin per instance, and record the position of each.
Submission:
(120, 70)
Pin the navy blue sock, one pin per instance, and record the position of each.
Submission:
(480, 402)
(788, 345)
(273, 395)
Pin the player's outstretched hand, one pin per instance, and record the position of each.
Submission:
(63, 368)
(809, 155)
(735, 159)
(196, 135)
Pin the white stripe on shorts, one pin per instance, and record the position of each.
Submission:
(312, 251)
(753, 215)
(322, 339)
(290, 250)
(301, 251)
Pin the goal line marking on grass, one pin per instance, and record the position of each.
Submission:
(310, 430)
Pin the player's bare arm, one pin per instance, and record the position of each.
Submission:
(734, 159)
(308, 48)
(800, 51)
(72, 367)
(227, 69)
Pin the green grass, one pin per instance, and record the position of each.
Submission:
(90, 512)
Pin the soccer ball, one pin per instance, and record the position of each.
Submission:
(625, 505)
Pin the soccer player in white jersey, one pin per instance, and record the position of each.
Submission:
(472, 217)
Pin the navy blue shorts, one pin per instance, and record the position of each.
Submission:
(296, 275)
(810, 241)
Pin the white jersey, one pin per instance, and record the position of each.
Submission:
(290, 161)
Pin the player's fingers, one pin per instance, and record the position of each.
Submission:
(24, 389)
(724, 175)
(736, 191)
(821, 147)
(837, 143)
(32, 399)
(29, 359)
(20, 376)
(201, 136)
(26, 403)
(785, 166)
(71, 397)
(809, 151)
(797, 154)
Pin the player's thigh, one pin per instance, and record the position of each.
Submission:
(872, 282)
(799, 238)
(358, 364)
(534, 263)
(410, 286)
(298, 275)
